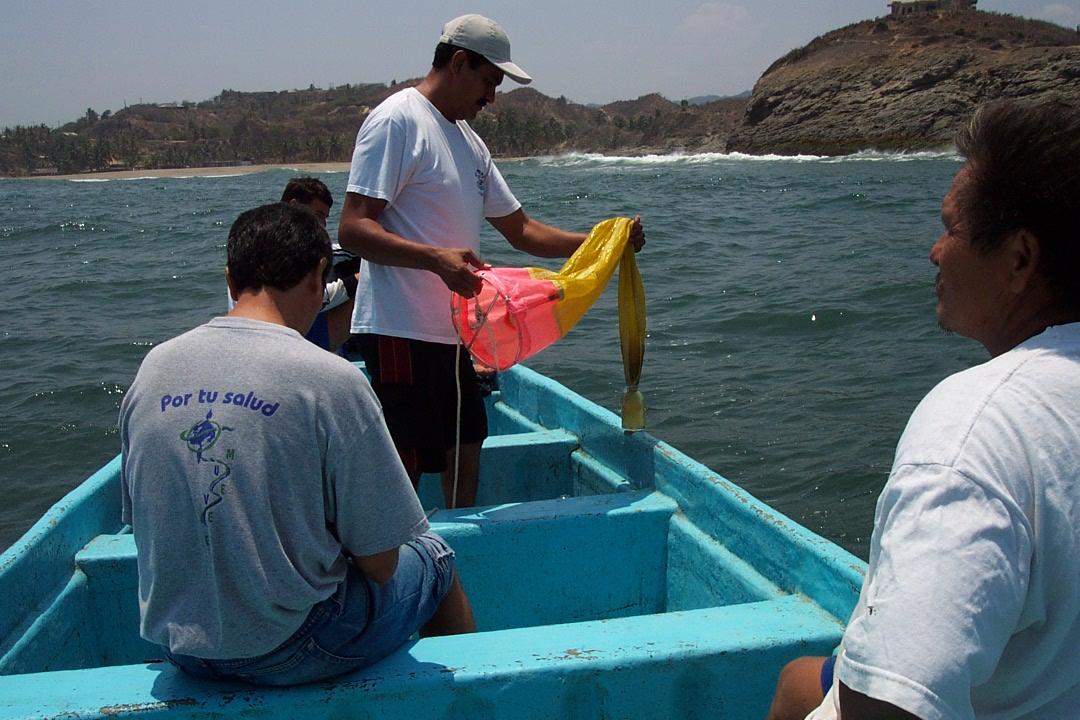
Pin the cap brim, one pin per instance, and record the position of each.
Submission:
(512, 71)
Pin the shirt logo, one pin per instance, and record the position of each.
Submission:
(201, 438)
(481, 181)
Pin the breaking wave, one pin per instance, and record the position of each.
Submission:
(578, 159)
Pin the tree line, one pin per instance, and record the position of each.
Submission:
(317, 125)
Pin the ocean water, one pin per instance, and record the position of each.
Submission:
(790, 301)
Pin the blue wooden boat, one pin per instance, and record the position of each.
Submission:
(652, 587)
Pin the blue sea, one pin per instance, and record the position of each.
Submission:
(790, 302)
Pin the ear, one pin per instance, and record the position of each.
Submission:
(316, 275)
(1024, 253)
(232, 286)
(457, 61)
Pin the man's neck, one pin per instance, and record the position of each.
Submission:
(265, 307)
(434, 88)
(1022, 326)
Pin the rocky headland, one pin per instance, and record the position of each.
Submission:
(903, 83)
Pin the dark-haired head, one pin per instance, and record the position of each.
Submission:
(305, 189)
(275, 246)
(445, 51)
(1024, 164)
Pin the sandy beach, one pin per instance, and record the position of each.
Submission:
(200, 171)
(298, 168)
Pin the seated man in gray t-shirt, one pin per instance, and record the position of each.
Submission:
(279, 538)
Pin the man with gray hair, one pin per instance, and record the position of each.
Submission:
(971, 603)
(421, 183)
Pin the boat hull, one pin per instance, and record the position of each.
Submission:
(611, 576)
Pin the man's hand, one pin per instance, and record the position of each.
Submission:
(456, 268)
(637, 234)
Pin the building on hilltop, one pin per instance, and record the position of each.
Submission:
(913, 7)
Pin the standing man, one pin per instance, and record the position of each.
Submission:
(421, 183)
(279, 540)
(971, 603)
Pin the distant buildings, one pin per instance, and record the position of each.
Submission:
(912, 7)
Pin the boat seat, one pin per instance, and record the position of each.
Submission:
(623, 667)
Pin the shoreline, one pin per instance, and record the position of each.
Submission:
(209, 171)
(214, 171)
(343, 167)
(301, 167)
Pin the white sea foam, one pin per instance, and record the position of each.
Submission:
(597, 160)
(113, 179)
(309, 171)
(898, 156)
(773, 157)
(155, 177)
(206, 175)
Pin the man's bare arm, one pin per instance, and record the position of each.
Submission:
(542, 240)
(536, 238)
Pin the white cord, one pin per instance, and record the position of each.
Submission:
(482, 321)
(457, 428)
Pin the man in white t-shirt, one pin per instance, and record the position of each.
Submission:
(420, 185)
(971, 603)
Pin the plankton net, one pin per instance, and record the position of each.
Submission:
(520, 311)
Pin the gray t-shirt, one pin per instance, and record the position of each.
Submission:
(253, 460)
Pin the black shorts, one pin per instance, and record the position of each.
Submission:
(414, 381)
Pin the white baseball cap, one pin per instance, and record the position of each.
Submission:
(485, 36)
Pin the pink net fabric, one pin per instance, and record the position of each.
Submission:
(512, 318)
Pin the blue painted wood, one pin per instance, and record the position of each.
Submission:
(517, 467)
(714, 662)
(37, 570)
(561, 561)
(610, 574)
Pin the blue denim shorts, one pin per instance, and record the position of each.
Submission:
(320, 332)
(827, 670)
(360, 624)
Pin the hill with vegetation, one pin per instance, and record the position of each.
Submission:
(890, 83)
(318, 125)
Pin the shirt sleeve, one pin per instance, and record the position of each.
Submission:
(125, 481)
(499, 200)
(943, 593)
(369, 500)
(380, 164)
(125, 496)
(334, 294)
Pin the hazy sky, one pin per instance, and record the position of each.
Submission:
(59, 57)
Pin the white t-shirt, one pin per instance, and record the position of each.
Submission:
(439, 183)
(971, 604)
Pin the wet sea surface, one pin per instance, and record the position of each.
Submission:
(790, 301)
